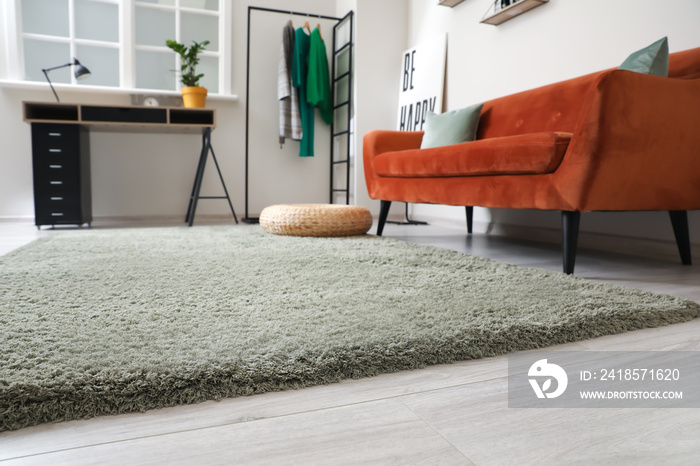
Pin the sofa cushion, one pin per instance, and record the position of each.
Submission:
(535, 153)
(452, 127)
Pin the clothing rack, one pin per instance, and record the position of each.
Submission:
(247, 218)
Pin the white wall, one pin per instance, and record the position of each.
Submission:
(4, 26)
(381, 35)
(559, 40)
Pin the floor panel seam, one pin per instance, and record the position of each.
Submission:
(437, 431)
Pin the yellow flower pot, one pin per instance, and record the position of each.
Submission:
(194, 97)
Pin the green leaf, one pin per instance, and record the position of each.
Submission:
(190, 59)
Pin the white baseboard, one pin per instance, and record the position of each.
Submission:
(162, 219)
(137, 220)
(17, 219)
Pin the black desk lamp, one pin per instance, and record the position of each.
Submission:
(79, 71)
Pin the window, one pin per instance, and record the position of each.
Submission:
(122, 42)
(186, 21)
(53, 31)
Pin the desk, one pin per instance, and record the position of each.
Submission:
(61, 152)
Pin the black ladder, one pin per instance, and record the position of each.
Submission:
(341, 90)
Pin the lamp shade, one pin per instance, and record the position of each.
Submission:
(79, 70)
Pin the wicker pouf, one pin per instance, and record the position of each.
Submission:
(315, 220)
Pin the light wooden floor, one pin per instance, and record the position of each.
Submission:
(450, 414)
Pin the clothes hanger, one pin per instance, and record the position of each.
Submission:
(306, 25)
(318, 26)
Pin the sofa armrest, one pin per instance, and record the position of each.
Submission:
(380, 141)
(635, 146)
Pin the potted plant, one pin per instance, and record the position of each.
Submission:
(192, 94)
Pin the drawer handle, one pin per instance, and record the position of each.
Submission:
(57, 214)
(57, 182)
(55, 150)
(57, 198)
(55, 166)
(54, 134)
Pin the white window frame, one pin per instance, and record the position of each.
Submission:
(15, 54)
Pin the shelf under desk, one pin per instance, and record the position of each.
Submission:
(109, 118)
(132, 118)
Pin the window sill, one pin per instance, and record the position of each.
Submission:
(70, 88)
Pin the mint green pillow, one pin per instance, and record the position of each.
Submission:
(451, 127)
(650, 60)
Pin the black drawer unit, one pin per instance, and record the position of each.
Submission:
(61, 164)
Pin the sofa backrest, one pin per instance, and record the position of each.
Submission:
(685, 64)
(556, 107)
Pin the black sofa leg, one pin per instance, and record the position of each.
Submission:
(383, 214)
(570, 222)
(679, 220)
(470, 218)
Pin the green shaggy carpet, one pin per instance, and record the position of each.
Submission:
(114, 321)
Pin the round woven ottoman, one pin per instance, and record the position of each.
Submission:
(315, 220)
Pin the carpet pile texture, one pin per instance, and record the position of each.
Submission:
(113, 321)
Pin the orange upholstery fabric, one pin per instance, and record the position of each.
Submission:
(509, 155)
(685, 65)
(635, 145)
(555, 107)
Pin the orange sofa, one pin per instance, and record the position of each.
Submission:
(614, 140)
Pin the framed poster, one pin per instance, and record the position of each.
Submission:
(422, 83)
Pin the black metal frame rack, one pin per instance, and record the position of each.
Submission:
(336, 79)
